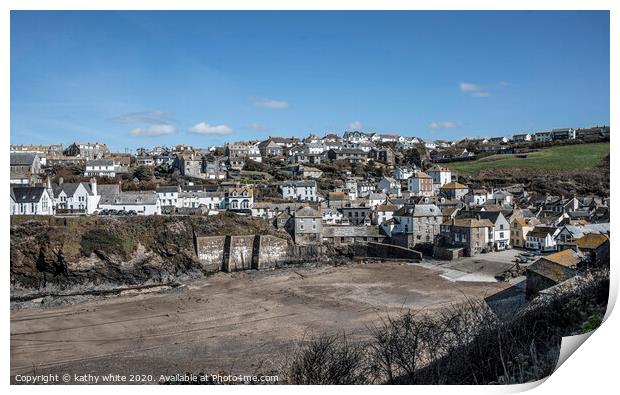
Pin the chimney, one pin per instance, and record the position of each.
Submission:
(478, 217)
(60, 180)
(93, 185)
(48, 183)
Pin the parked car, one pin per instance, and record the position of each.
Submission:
(112, 212)
(121, 212)
(105, 211)
(132, 212)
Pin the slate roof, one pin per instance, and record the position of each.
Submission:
(27, 194)
(130, 198)
(22, 159)
(298, 184)
(108, 189)
(69, 188)
(541, 232)
(419, 210)
(100, 162)
(307, 212)
(492, 216)
(166, 189)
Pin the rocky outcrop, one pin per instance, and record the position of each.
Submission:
(55, 256)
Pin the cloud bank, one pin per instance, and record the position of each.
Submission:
(205, 129)
(436, 126)
(271, 103)
(154, 130)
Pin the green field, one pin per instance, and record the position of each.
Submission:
(568, 157)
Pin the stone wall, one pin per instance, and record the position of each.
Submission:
(235, 253)
(240, 254)
(271, 251)
(210, 252)
(386, 251)
(447, 254)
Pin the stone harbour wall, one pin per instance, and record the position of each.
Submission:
(386, 251)
(236, 253)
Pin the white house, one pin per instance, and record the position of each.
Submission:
(26, 200)
(385, 212)
(314, 148)
(375, 199)
(194, 199)
(502, 197)
(420, 184)
(501, 230)
(389, 138)
(389, 185)
(364, 188)
(77, 197)
(521, 137)
(350, 186)
(477, 197)
(168, 195)
(100, 168)
(333, 216)
(239, 198)
(440, 175)
(543, 137)
(142, 202)
(300, 190)
(564, 134)
(541, 239)
(403, 173)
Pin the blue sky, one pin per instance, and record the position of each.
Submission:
(135, 79)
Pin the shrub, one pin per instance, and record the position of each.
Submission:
(102, 240)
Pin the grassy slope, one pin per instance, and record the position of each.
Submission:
(570, 157)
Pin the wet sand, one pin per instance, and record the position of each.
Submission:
(242, 322)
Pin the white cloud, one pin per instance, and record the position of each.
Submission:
(435, 126)
(151, 117)
(259, 127)
(154, 130)
(270, 103)
(469, 87)
(355, 125)
(205, 128)
(476, 90)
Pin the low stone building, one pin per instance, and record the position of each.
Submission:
(352, 234)
(415, 224)
(472, 234)
(453, 190)
(308, 226)
(551, 270)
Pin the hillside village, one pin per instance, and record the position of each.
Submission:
(356, 188)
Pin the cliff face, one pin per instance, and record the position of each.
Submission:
(51, 256)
